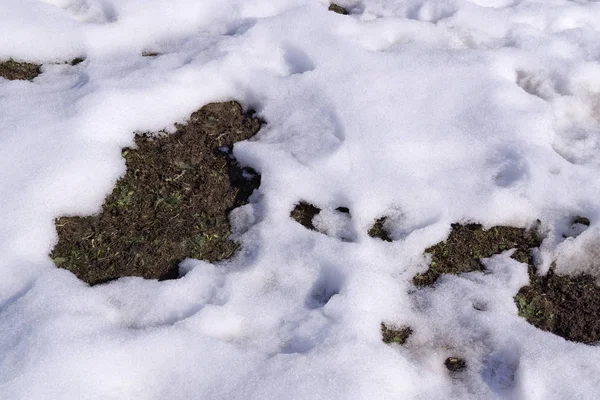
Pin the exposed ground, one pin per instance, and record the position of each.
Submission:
(15, 70)
(337, 9)
(564, 305)
(378, 230)
(303, 213)
(173, 202)
(469, 243)
(390, 334)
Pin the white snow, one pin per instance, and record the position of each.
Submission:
(431, 112)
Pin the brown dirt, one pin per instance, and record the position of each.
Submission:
(378, 230)
(14, 70)
(337, 9)
(564, 305)
(391, 334)
(303, 213)
(467, 244)
(173, 202)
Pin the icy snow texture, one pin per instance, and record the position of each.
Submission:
(428, 111)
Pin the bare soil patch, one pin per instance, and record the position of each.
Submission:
(469, 243)
(391, 334)
(173, 202)
(15, 70)
(564, 305)
(378, 230)
(337, 9)
(303, 213)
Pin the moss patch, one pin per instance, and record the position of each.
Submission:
(378, 230)
(564, 305)
(467, 244)
(391, 334)
(14, 70)
(337, 9)
(303, 213)
(173, 202)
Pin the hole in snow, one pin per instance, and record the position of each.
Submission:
(326, 286)
(577, 227)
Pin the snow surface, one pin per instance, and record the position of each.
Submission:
(429, 111)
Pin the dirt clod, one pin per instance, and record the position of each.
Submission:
(564, 305)
(173, 202)
(337, 9)
(395, 335)
(378, 230)
(469, 243)
(15, 70)
(455, 364)
(303, 213)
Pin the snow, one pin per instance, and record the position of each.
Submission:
(430, 112)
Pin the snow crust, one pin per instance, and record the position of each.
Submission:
(431, 112)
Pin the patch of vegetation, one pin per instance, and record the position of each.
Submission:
(173, 202)
(467, 244)
(303, 213)
(395, 335)
(455, 364)
(15, 70)
(564, 305)
(378, 230)
(337, 9)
